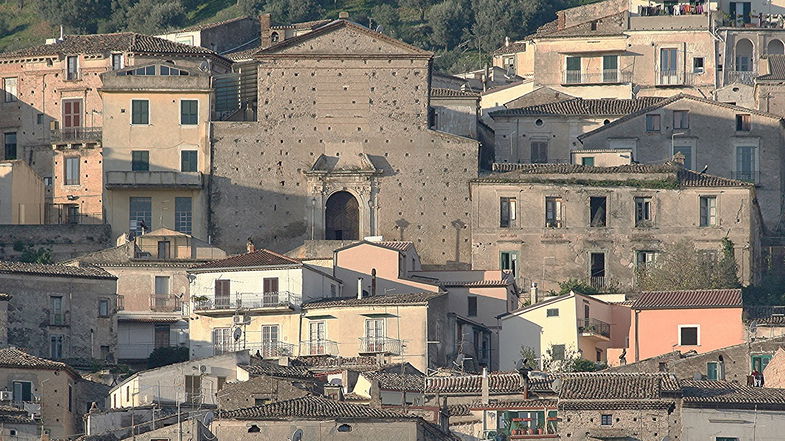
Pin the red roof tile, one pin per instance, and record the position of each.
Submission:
(498, 382)
(699, 298)
(257, 258)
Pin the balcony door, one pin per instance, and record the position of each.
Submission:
(317, 336)
(745, 163)
(269, 341)
(222, 293)
(270, 293)
(72, 116)
(669, 69)
(162, 333)
(374, 335)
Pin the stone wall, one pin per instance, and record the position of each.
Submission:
(244, 394)
(639, 424)
(66, 241)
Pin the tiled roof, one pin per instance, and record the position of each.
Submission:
(512, 48)
(262, 367)
(400, 245)
(498, 383)
(149, 319)
(514, 404)
(476, 283)
(615, 404)
(442, 92)
(396, 381)
(310, 406)
(40, 269)
(776, 68)
(454, 410)
(257, 258)
(610, 25)
(15, 358)
(13, 415)
(105, 43)
(204, 26)
(723, 394)
(699, 298)
(616, 386)
(540, 384)
(246, 54)
(583, 107)
(419, 298)
(303, 25)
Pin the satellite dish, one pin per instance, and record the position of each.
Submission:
(297, 435)
(237, 333)
(204, 66)
(202, 368)
(556, 385)
(208, 418)
(379, 29)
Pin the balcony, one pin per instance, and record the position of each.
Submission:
(668, 78)
(69, 214)
(72, 135)
(165, 303)
(747, 176)
(594, 328)
(248, 300)
(380, 345)
(318, 347)
(116, 180)
(740, 76)
(607, 76)
(59, 319)
(598, 282)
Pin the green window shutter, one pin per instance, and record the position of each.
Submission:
(189, 112)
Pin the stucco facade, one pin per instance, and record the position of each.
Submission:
(21, 194)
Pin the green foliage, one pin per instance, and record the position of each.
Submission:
(528, 354)
(576, 285)
(583, 365)
(153, 16)
(166, 356)
(30, 254)
(681, 266)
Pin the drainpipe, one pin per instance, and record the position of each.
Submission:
(637, 347)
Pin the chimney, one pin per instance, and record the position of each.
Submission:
(373, 281)
(678, 158)
(533, 293)
(506, 41)
(485, 388)
(343, 15)
(359, 288)
(249, 246)
(265, 23)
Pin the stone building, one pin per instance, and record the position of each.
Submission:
(60, 311)
(221, 37)
(263, 382)
(342, 150)
(552, 222)
(455, 111)
(734, 142)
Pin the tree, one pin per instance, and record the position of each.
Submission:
(560, 358)
(448, 21)
(153, 16)
(681, 266)
(419, 6)
(575, 285)
(388, 18)
(166, 356)
(250, 7)
(528, 354)
(75, 15)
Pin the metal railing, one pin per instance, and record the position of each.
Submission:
(606, 76)
(318, 347)
(59, 214)
(673, 78)
(597, 282)
(164, 303)
(747, 175)
(594, 326)
(380, 345)
(58, 319)
(250, 300)
(74, 134)
(160, 179)
(743, 77)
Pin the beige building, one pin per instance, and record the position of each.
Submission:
(553, 222)
(455, 111)
(726, 140)
(21, 194)
(156, 148)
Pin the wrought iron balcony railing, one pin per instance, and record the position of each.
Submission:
(248, 300)
(594, 327)
(318, 347)
(380, 345)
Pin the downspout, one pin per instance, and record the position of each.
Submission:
(637, 347)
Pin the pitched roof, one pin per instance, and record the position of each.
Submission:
(476, 283)
(418, 298)
(727, 395)
(263, 367)
(309, 407)
(204, 26)
(582, 107)
(609, 25)
(698, 298)
(443, 92)
(330, 363)
(105, 43)
(498, 383)
(512, 48)
(776, 68)
(303, 25)
(616, 386)
(55, 270)
(615, 404)
(397, 245)
(397, 381)
(15, 358)
(13, 415)
(257, 258)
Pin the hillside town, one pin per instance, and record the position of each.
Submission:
(249, 230)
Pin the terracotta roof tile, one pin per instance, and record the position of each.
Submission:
(615, 404)
(15, 358)
(616, 386)
(397, 381)
(700, 298)
(776, 68)
(312, 407)
(257, 258)
(476, 283)
(262, 367)
(726, 395)
(54, 270)
(419, 298)
(442, 92)
(498, 382)
(583, 107)
(512, 48)
(515, 404)
(400, 245)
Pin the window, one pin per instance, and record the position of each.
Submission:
(759, 362)
(39, 119)
(9, 89)
(374, 335)
(189, 112)
(72, 113)
(222, 340)
(557, 352)
(606, 420)
(23, 391)
(642, 211)
(553, 212)
(597, 270)
(714, 370)
(472, 307)
(708, 211)
(270, 341)
(507, 208)
(72, 68)
(509, 262)
(688, 335)
(645, 258)
(162, 285)
(10, 145)
(193, 389)
(140, 112)
(653, 122)
(103, 308)
(588, 161)
(188, 161)
(72, 170)
(746, 164)
(140, 215)
(610, 68)
(697, 65)
(597, 211)
(56, 347)
(140, 160)
(668, 66)
(681, 119)
(539, 153)
(552, 312)
(222, 293)
(56, 305)
(270, 291)
(743, 123)
(117, 61)
(573, 74)
(685, 150)
(183, 215)
(71, 213)
(317, 332)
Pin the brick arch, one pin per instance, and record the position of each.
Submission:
(342, 217)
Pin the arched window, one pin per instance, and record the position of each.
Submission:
(744, 50)
(274, 37)
(775, 47)
(342, 217)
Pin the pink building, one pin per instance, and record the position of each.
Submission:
(694, 320)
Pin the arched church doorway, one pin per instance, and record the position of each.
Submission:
(342, 217)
